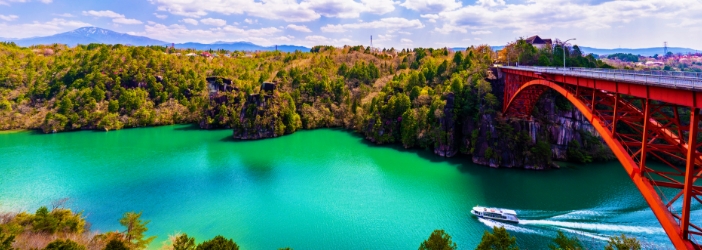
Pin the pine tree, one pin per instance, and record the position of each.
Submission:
(134, 235)
(499, 239)
(438, 240)
(563, 242)
(183, 242)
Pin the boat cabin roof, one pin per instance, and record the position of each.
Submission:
(495, 210)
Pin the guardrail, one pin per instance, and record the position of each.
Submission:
(674, 79)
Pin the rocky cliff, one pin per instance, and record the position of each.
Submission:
(266, 115)
(555, 131)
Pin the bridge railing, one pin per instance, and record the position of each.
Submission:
(675, 79)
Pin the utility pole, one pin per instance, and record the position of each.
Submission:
(665, 49)
(371, 47)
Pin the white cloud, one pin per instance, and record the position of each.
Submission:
(448, 29)
(250, 21)
(8, 17)
(382, 38)
(491, 3)
(283, 39)
(116, 17)
(301, 28)
(52, 27)
(64, 15)
(333, 28)
(287, 10)
(102, 13)
(321, 40)
(392, 24)
(159, 16)
(431, 6)
(251, 32)
(405, 41)
(190, 21)
(482, 32)
(181, 33)
(530, 17)
(348, 9)
(214, 22)
(430, 16)
(123, 20)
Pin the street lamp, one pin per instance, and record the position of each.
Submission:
(563, 47)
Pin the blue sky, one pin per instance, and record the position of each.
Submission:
(392, 23)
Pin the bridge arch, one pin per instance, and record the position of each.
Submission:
(520, 97)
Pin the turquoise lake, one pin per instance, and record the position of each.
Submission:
(321, 189)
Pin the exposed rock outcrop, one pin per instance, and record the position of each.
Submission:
(532, 143)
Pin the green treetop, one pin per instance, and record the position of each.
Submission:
(134, 235)
(438, 240)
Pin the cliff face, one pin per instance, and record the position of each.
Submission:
(556, 131)
(265, 115)
(446, 145)
(257, 119)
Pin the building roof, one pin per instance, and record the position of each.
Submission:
(213, 79)
(268, 86)
(537, 40)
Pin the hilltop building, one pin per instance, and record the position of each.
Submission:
(538, 42)
(268, 87)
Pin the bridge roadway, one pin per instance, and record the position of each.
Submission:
(670, 79)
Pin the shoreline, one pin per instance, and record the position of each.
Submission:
(14, 131)
(556, 164)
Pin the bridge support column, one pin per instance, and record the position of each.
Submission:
(644, 138)
(614, 113)
(689, 172)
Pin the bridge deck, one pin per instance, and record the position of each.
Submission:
(668, 79)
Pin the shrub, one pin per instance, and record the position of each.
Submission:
(218, 243)
(438, 240)
(64, 245)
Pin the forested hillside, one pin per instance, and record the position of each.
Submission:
(435, 99)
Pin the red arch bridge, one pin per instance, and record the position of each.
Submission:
(641, 115)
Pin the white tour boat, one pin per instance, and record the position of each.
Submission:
(497, 214)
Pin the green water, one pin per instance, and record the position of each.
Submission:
(322, 189)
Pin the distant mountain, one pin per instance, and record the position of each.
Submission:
(642, 51)
(494, 48)
(240, 46)
(87, 35)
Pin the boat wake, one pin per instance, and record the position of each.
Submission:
(594, 226)
(508, 226)
(597, 225)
